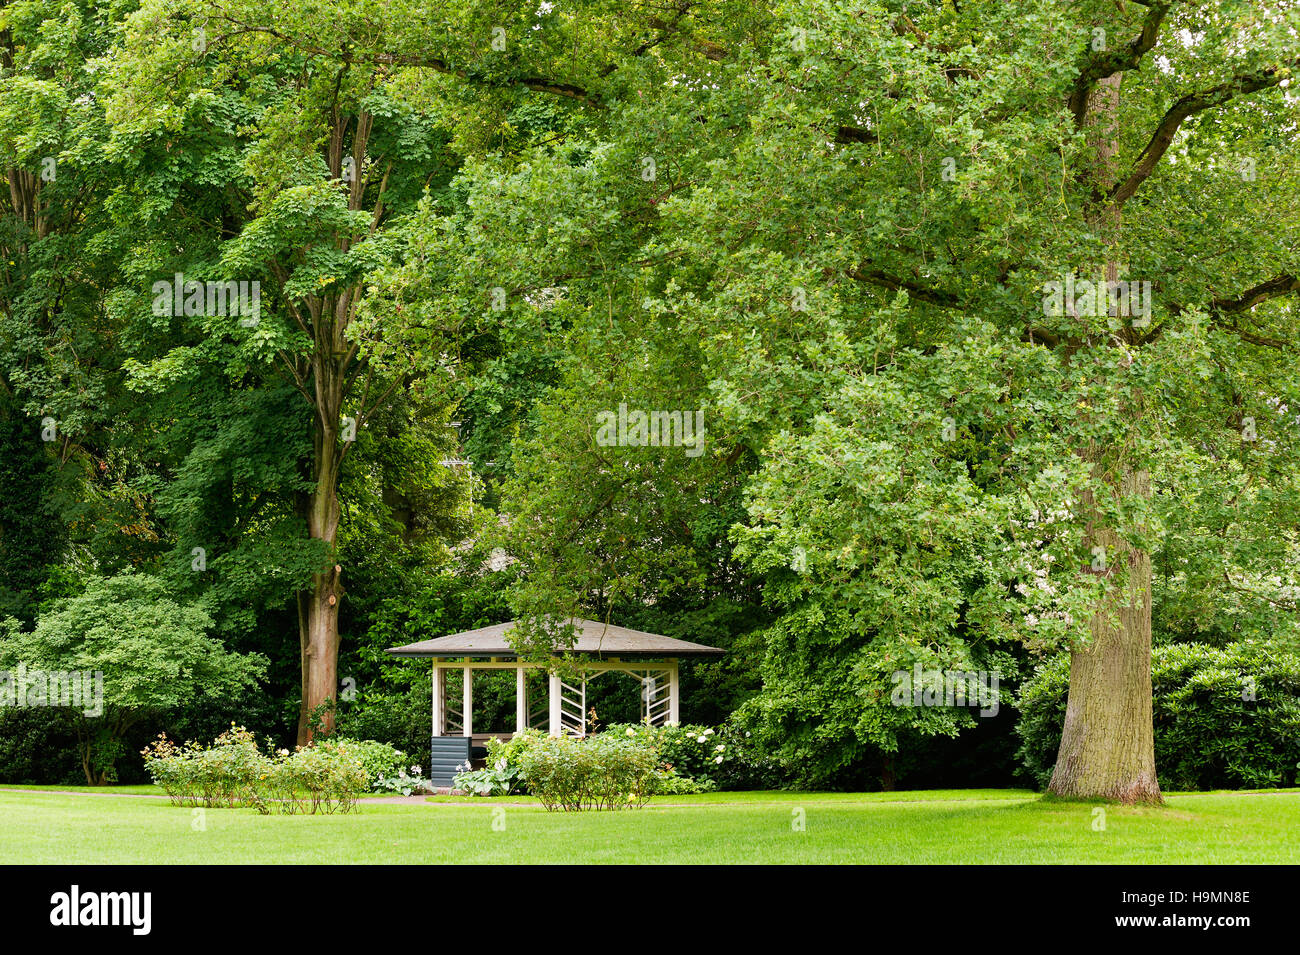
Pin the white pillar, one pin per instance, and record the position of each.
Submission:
(439, 700)
(467, 706)
(521, 699)
(649, 688)
(554, 699)
(674, 695)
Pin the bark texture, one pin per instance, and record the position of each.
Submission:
(1107, 744)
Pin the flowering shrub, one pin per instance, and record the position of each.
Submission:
(225, 774)
(686, 752)
(704, 759)
(311, 779)
(599, 772)
(232, 772)
(385, 766)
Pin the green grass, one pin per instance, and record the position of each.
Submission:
(963, 827)
(146, 789)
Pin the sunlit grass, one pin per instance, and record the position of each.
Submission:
(956, 826)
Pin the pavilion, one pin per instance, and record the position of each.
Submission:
(650, 659)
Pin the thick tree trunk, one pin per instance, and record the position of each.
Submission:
(318, 620)
(1107, 744)
(318, 607)
(333, 355)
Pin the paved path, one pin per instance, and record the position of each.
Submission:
(365, 801)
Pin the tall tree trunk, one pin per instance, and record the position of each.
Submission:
(332, 357)
(318, 609)
(1107, 743)
(319, 606)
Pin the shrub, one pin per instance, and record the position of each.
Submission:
(224, 774)
(688, 752)
(385, 766)
(311, 779)
(598, 772)
(1206, 735)
(328, 777)
(722, 758)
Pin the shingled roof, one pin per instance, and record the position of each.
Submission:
(592, 636)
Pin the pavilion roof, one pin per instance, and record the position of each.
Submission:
(592, 638)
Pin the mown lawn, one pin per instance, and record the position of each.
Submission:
(963, 827)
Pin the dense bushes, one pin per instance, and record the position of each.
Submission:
(708, 759)
(233, 772)
(385, 766)
(1225, 717)
(599, 772)
(589, 773)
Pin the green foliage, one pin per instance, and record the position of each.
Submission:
(385, 766)
(838, 260)
(689, 752)
(594, 773)
(153, 652)
(503, 773)
(233, 772)
(30, 536)
(38, 745)
(1225, 717)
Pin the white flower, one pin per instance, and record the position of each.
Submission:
(416, 770)
(718, 760)
(630, 731)
(719, 748)
(701, 739)
(501, 764)
(708, 732)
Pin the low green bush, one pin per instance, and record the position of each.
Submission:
(223, 774)
(598, 772)
(328, 777)
(311, 779)
(385, 765)
(724, 758)
(1225, 717)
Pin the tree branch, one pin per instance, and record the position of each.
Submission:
(1192, 103)
(915, 290)
(1103, 63)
